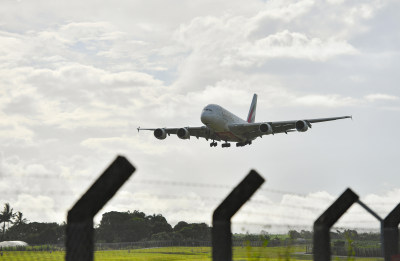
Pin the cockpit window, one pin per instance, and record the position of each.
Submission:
(206, 109)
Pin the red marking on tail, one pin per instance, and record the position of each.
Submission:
(250, 115)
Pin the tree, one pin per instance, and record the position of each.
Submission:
(38, 233)
(194, 231)
(136, 226)
(181, 224)
(163, 236)
(349, 233)
(293, 234)
(19, 219)
(1, 221)
(306, 234)
(6, 217)
(123, 227)
(159, 224)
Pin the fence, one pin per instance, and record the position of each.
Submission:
(80, 242)
(354, 251)
(171, 243)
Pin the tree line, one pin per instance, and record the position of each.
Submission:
(33, 233)
(337, 235)
(137, 226)
(116, 227)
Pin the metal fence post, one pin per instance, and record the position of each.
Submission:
(321, 240)
(391, 233)
(80, 243)
(221, 230)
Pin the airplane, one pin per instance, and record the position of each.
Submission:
(222, 125)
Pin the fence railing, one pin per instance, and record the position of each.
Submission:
(354, 251)
(80, 243)
(146, 245)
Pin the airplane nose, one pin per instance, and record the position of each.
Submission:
(205, 118)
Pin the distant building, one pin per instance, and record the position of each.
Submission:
(13, 243)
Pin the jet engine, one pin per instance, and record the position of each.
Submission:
(301, 126)
(265, 128)
(160, 134)
(183, 133)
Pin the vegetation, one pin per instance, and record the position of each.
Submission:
(114, 227)
(33, 233)
(136, 226)
(36, 233)
(6, 216)
(178, 254)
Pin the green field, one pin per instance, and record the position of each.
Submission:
(177, 254)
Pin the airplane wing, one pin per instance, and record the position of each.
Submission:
(284, 126)
(184, 133)
(254, 130)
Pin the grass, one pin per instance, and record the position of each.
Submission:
(177, 254)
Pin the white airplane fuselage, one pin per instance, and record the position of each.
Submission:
(218, 119)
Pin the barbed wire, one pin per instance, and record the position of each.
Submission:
(266, 225)
(158, 182)
(164, 196)
(261, 204)
(188, 184)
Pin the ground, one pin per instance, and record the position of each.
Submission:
(177, 254)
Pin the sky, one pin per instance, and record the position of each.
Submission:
(78, 77)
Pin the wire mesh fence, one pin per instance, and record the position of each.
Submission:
(263, 216)
(196, 250)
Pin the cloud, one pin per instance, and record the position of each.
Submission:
(288, 44)
(236, 47)
(78, 78)
(14, 130)
(262, 212)
(189, 207)
(300, 211)
(125, 144)
(380, 97)
(284, 10)
(38, 208)
(71, 95)
(326, 101)
(9, 44)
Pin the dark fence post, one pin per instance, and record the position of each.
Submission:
(221, 230)
(80, 242)
(391, 233)
(321, 241)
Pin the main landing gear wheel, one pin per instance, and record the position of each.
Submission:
(241, 144)
(213, 144)
(226, 145)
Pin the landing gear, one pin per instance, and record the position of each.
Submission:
(241, 144)
(226, 145)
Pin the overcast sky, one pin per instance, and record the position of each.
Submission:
(78, 77)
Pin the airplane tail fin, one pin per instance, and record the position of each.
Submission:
(252, 112)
